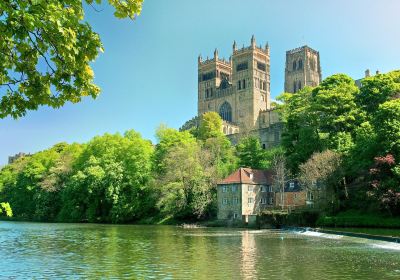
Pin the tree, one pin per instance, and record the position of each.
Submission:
(5, 209)
(385, 183)
(46, 49)
(110, 180)
(210, 126)
(387, 126)
(320, 173)
(378, 89)
(250, 153)
(281, 175)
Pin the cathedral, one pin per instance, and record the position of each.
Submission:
(239, 88)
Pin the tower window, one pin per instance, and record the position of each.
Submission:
(294, 65)
(244, 84)
(264, 85)
(261, 66)
(299, 85)
(294, 86)
(300, 66)
(239, 85)
(225, 111)
(242, 66)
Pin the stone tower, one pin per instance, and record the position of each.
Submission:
(302, 69)
(237, 89)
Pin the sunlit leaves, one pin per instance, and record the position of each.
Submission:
(46, 49)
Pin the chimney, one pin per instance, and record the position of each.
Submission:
(367, 73)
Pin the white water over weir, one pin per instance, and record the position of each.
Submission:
(373, 241)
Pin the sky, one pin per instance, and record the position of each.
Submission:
(148, 71)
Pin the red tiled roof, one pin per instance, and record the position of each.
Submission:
(243, 175)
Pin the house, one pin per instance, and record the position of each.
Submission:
(293, 196)
(244, 194)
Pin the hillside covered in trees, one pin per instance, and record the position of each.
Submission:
(339, 139)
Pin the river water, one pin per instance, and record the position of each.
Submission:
(90, 251)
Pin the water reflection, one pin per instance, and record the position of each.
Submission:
(248, 256)
(33, 250)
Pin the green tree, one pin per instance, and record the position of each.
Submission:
(46, 49)
(378, 89)
(110, 180)
(210, 126)
(5, 209)
(250, 153)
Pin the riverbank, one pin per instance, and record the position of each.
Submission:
(354, 219)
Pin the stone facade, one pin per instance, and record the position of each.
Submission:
(302, 69)
(239, 89)
(13, 158)
(244, 193)
(247, 192)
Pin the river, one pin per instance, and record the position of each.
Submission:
(93, 251)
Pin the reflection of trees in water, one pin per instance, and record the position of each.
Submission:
(248, 255)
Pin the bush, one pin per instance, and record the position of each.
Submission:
(356, 219)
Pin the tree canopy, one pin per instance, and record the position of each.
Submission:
(46, 48)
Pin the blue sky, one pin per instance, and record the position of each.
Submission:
(148, 72)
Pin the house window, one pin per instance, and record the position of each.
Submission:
(263, 200)
(250, 188)
(225, 201)
(271, 200)
(263, 188)
(234, 188)
(236, 200)
(291, 185)
(250, 200)
(269, 188)
(235, 216)
(224, 189)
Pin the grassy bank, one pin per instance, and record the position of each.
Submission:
(357, 219)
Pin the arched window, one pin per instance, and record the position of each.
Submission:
(300, 64)
(294, 65)
(225, 111)
(294, 86)
(299, 87)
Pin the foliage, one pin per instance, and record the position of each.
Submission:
(5, 209)
(250, 153)
(109, 182)
(210, 126)
(358, 125)
(46, 49)
(321, 175)
(359, 219)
